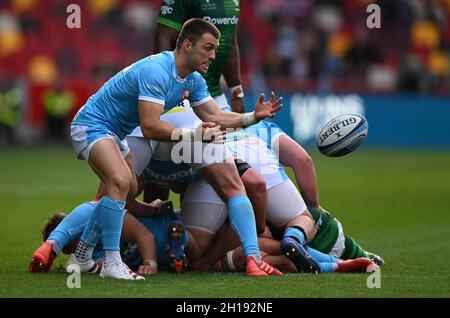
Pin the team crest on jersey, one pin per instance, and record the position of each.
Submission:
(185, 94)
(236, 3)
(169, 2)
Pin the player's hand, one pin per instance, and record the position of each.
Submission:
(267, 109)
(160, 206)
(146, 270)
(237, 103)
(209, 132)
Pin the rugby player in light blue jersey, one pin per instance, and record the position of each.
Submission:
(148, 244)
(138, 95)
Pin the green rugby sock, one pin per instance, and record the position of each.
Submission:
(352, 249)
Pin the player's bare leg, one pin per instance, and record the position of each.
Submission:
(256, 190)
(234, 261)
(224, 241)
(225, 179)
(114, 171)
(200, 243)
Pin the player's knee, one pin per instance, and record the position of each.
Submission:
(121, 183)
(233, 190)
(225, 180)
(233, 187)
(231, 182)
(254, 183)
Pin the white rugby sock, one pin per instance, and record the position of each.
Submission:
(256, 257)
(83, 252)
(111, 257)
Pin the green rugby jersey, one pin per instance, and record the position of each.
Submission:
(224, 14)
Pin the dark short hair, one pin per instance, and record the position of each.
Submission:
(51, 224)
(194, 28)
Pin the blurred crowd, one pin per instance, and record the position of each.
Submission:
(302, 41)
(327, 44)
(36, 42)
(308, 45)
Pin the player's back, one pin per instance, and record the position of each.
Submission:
(250, 146)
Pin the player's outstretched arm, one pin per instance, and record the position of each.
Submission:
(211, 113)
(293, 155)
(135, 231)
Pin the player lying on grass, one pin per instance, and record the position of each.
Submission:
(233, 260)
(147, 243)
(157, 242)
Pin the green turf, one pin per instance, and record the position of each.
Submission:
(395, 204)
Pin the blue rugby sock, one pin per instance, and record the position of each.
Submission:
(92, 231)
(321, 257)
(72, 226)
(327, 267)
(242, 220)
(111, 219)
(296, 233)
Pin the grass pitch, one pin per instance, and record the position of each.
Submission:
(395, 204)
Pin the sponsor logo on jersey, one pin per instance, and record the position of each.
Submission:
(176, 175)
(208, 6)
(154, 88)
(222, 21)
(166, 10)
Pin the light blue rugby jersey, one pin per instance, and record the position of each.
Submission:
(155, 79)
(163, 171)
(264, 161)
(159, 227)
(265, 130)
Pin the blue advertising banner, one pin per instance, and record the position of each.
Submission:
(394, 121)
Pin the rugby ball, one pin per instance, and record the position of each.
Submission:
(342, 135)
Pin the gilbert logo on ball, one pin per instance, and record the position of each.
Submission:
(342, 135)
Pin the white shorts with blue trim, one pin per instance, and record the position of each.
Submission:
(85, 137)
(203, 209)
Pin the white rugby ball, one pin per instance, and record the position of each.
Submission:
(342, 135)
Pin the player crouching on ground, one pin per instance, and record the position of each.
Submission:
(147, 243)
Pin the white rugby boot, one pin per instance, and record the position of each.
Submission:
(119, 270)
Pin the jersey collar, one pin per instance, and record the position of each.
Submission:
(175, 70)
